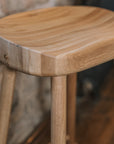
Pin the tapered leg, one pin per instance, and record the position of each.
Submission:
(71, 108)
(6, 96)
(58, 110)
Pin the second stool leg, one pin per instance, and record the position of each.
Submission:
(71, 108)
(6, 97)
(58, 110)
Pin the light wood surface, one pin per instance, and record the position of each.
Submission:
(71, 107)
(57, 41)
(95, 123)
(6, 97)
(58, 110)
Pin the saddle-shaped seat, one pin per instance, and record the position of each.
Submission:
(57, 41)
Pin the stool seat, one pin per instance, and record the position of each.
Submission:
(57, 41)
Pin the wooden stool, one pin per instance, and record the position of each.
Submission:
(55, 42)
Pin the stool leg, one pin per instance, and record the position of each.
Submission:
(71, 108)
(58, 110)
(6, 96)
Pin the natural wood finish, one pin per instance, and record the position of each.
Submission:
(71, 107)
(95, 123)
(57, 41)
(6, 97)
(67, 139)
(58, 110)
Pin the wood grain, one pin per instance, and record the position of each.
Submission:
(95, 123)
(57, 41)
(71, 107)
(58, 110)
(6, 97)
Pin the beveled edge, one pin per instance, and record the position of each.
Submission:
(37, 69)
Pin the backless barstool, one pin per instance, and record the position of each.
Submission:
(55, 42)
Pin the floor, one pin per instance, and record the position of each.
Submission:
(95, 120)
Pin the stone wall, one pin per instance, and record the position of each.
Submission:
(13, 6)
(32, 94)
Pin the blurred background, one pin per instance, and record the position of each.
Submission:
(32, 94)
